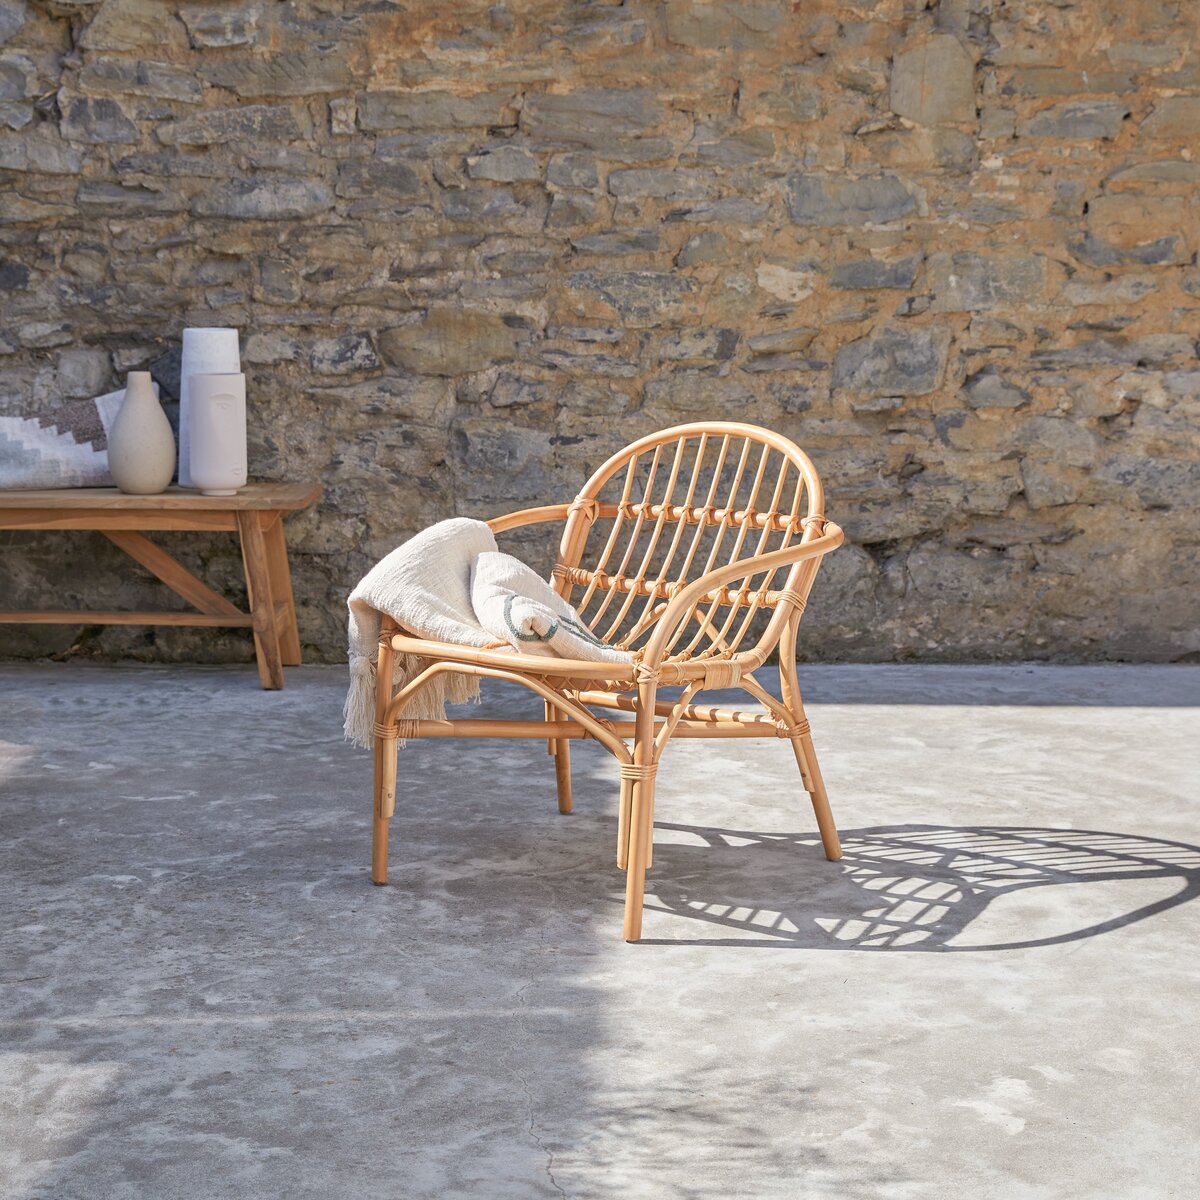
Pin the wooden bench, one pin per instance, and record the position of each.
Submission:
(255, 514)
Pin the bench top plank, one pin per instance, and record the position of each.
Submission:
(269, 497)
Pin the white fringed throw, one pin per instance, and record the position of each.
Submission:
(451, 584)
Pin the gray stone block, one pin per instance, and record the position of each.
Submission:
(115, 199)
(847, 200)
(12, 17)
(697, 393)
(269, 199)
(1077, 120)
(633, 241)
(45, 155)
(371, 177)
(295, 74)
(1109, 351)
(82, 372)
(989, 389)
(121, 77)
(600, 117)
(729, 210)
(569, 211)
(732, 149)
(95, 121)
(661, 183)
(343, 116)
(785, 341)
(894, 361)
(641, 297)
(342, 355)
(18, 76)
(970, 282)
(1066, 81)
(504, 164)
(703, 248)
(714, 344)
(433, 110)
(572, 171)
(875, 273)
(256, 122)
(210, 27)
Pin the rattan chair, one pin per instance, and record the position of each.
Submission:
(695, 549)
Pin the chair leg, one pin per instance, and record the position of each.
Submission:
(562, 773)
(559, 749)
(626, 807)
(641, 829)
(641, 811)
(385, 761)
(802, 745)
(385, 805)
(814, 784)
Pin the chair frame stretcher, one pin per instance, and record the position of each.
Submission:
(570, 689)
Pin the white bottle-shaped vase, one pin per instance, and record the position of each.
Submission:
(205, 352)
(218, 433)
(141, 446)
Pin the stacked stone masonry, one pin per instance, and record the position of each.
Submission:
(949, 246)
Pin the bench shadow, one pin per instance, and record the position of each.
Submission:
(915, 887)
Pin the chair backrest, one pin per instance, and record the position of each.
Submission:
(672, 507)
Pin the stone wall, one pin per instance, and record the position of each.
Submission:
(949, 247)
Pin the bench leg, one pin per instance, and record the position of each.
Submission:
(281, 591)
(262, 601)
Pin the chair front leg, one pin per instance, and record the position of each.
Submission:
(814, 784)
(806, 755)
(640, 774)
(385, 765)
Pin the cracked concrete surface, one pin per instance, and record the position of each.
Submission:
(994, 993)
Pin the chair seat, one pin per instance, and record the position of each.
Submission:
(714, 671)
(512, 660)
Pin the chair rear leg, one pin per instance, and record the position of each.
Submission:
(559, 749)
(562, 773)
(623, 811)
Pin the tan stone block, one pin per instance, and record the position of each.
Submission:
(134, 25)
(449, 342)
(1174, 117)
(933, 82)
(1130, 219)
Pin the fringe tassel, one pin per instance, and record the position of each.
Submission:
(359, 710)
(429, 704)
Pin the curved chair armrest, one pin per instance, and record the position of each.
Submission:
(681, 605)
(529, 516)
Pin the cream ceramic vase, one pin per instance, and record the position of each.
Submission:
(141, 446)
(218, 433)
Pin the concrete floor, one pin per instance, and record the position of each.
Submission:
(994, 994)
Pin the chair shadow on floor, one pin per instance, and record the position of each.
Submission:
(933, 888)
